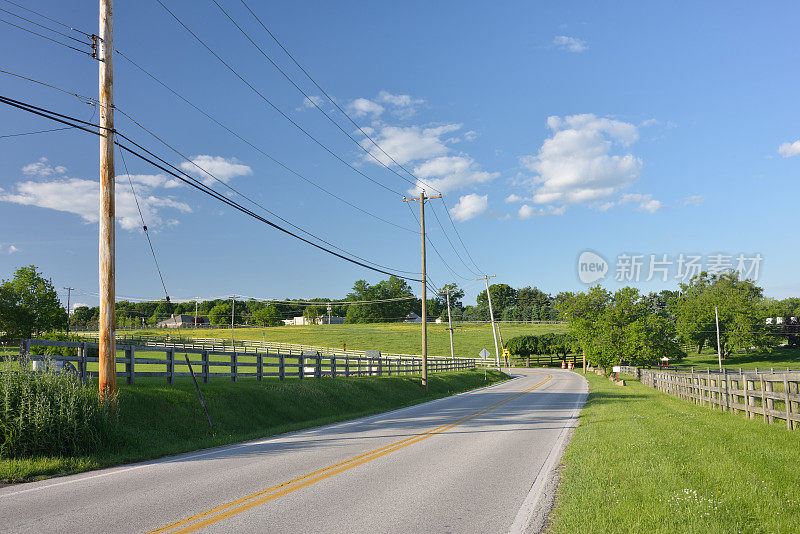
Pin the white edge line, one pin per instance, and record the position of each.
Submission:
(226, 448)
(522, 520)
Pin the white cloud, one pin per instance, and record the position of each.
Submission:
(310, 100)
(576, 164)
(404, 105)
(469, 207)
(12, 249)
(449, 173)
(515, 198)
(694, 200)
(79, 305)
(361, 107)
(645, 202)
(527, 212)
(224, 169)
(570, 44)
(470, 135)
(43, 169)
(409, 143)
(787, 150)
(82, 197)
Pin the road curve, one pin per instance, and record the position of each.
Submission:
(476, 462)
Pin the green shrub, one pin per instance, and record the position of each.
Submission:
(51, 413)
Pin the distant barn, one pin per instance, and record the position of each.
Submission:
(182, 321)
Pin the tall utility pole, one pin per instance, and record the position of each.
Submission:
(69, 294)
(107, 326)
(422, 198)
(449, 322)
(195, 313)
(491, 316)
(719, 348)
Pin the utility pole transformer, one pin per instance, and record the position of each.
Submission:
(491, 316)
(422, 198)
(107, 326)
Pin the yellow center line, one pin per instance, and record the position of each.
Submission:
(263, 496)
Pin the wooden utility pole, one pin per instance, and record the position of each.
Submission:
(107, 326)
(422, 198)
(491, 316)
(69, 294)
(449, 322)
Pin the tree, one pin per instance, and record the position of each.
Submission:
(311, 314)
(35, 307)
(741, 313)
(15, 321)
(503, 296)
(392, 288)
(221, 314)
(267, 316)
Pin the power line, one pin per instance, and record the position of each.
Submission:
(276, 108)
(45, 27)
(451, 243)
(430, 242)
(36, 132)
(261, 151)
(296, 86)
(144, 226)
(251, 200)
(417, 180)
(45, 37)
(48, 18)
(189, 180)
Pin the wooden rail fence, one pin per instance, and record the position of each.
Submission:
(235, 364)
(770, 396)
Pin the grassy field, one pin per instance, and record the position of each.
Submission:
(642, 461)
(157, 419)
(401, 338)
(780, 357)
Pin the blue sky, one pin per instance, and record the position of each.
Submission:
(552, 128)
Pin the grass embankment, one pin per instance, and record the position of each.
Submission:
(779, 358)
(158, 420)
(402, 338)
(642, 461)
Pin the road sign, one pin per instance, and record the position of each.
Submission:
(484, 354)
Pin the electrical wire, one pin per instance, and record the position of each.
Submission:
(46, 17)
(417, 180)
(428, 240)
(36, 132)
(189, 180)
(261, 151)
(276, 108)
(45, 27)
(144, 226)
(433, 210)
(296, 86)
(45, 37)
(234, 190)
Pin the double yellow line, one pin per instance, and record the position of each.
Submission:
(224, 511)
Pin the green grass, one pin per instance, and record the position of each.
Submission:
(401, 338)
(780, 357)
(158, 420)
(642, 461)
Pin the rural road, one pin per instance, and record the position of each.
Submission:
(477, 462)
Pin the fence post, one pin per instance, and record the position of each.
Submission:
(84, 353)
(301, 368)
(281, 368)
(793, 388)
(770, 403)
(260, 369)
(130, 355)
(233, 365)
(206, 366)
(763, 399)
(170, 365)
(346, 366)
(318, 369)
(786, 400)
(333, 365)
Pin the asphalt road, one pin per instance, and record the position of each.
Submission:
(482, 461)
